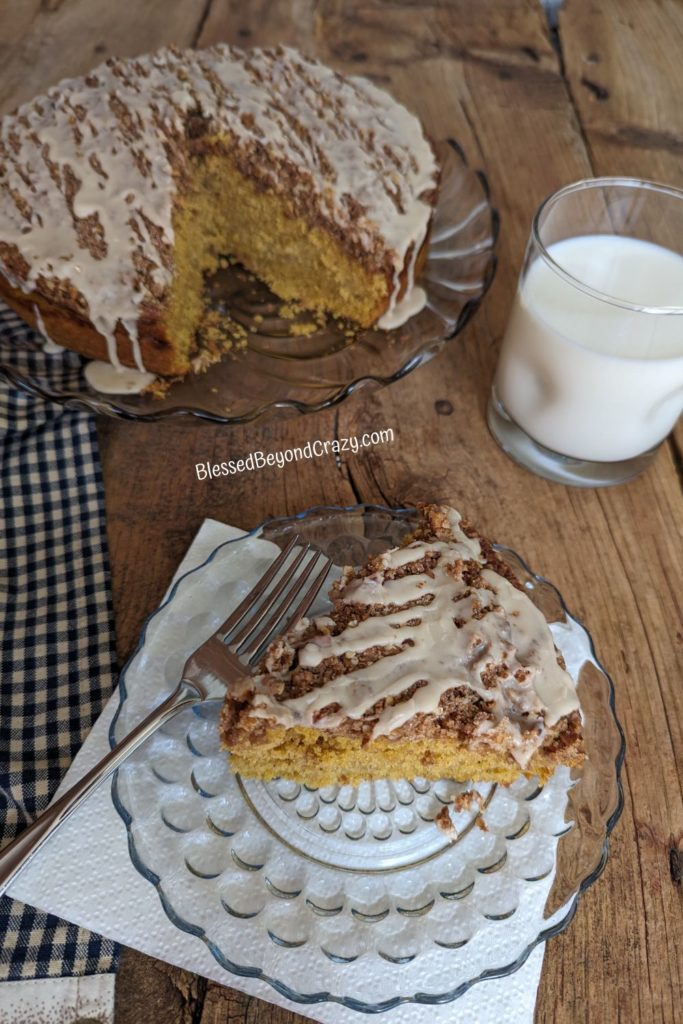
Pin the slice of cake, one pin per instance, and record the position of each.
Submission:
(120, 190)
(432, 662)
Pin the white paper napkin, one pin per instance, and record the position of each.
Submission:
(85, 875)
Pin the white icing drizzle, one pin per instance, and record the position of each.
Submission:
(94, 153)
(412, 303)
(50, 347)
(457, 639)
(112, 380)
(413, 299)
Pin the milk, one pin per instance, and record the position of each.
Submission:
(590, 378)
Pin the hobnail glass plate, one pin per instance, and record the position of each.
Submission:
(308, 373)
(354, 895)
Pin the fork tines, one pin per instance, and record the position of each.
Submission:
(267, 611)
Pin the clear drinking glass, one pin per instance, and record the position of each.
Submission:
(590, 375)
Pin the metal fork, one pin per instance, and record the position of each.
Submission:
(237, 645)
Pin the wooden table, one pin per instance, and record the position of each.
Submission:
(537, 109)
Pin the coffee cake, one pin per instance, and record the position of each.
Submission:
(120, 189)
(431, 662)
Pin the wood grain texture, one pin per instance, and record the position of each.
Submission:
(44, 41)
(623, 63)
(490, 75)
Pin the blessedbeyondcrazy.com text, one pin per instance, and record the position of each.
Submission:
(311, 450)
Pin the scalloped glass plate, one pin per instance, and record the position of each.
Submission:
(305, 374)
(354, 895)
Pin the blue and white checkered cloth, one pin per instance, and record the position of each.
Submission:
(57, 660)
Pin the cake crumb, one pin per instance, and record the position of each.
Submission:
(290, 310)
(464, 801)
(302, 329)
(219, 333)
(159, 388)
(444, 823)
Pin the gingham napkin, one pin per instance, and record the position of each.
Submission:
(57, 663)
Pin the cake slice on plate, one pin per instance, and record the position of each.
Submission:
(432, 662)
(119, 190)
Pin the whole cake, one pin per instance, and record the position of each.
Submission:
(432, 662)
(120, 190)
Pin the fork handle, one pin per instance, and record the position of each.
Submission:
(17, 855)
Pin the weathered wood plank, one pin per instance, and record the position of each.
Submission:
(166, 993)
(16, 19)
(261, 23)
(223, 1006)
(623, 65)
(487, 74)
(53, 39)
(150, 527)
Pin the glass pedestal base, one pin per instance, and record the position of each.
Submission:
(561, 469)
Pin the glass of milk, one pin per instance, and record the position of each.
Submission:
(590, 375)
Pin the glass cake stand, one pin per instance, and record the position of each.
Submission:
(353, 895)
(305, 374)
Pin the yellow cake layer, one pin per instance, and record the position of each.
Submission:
(319, 759)
(226, 214)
